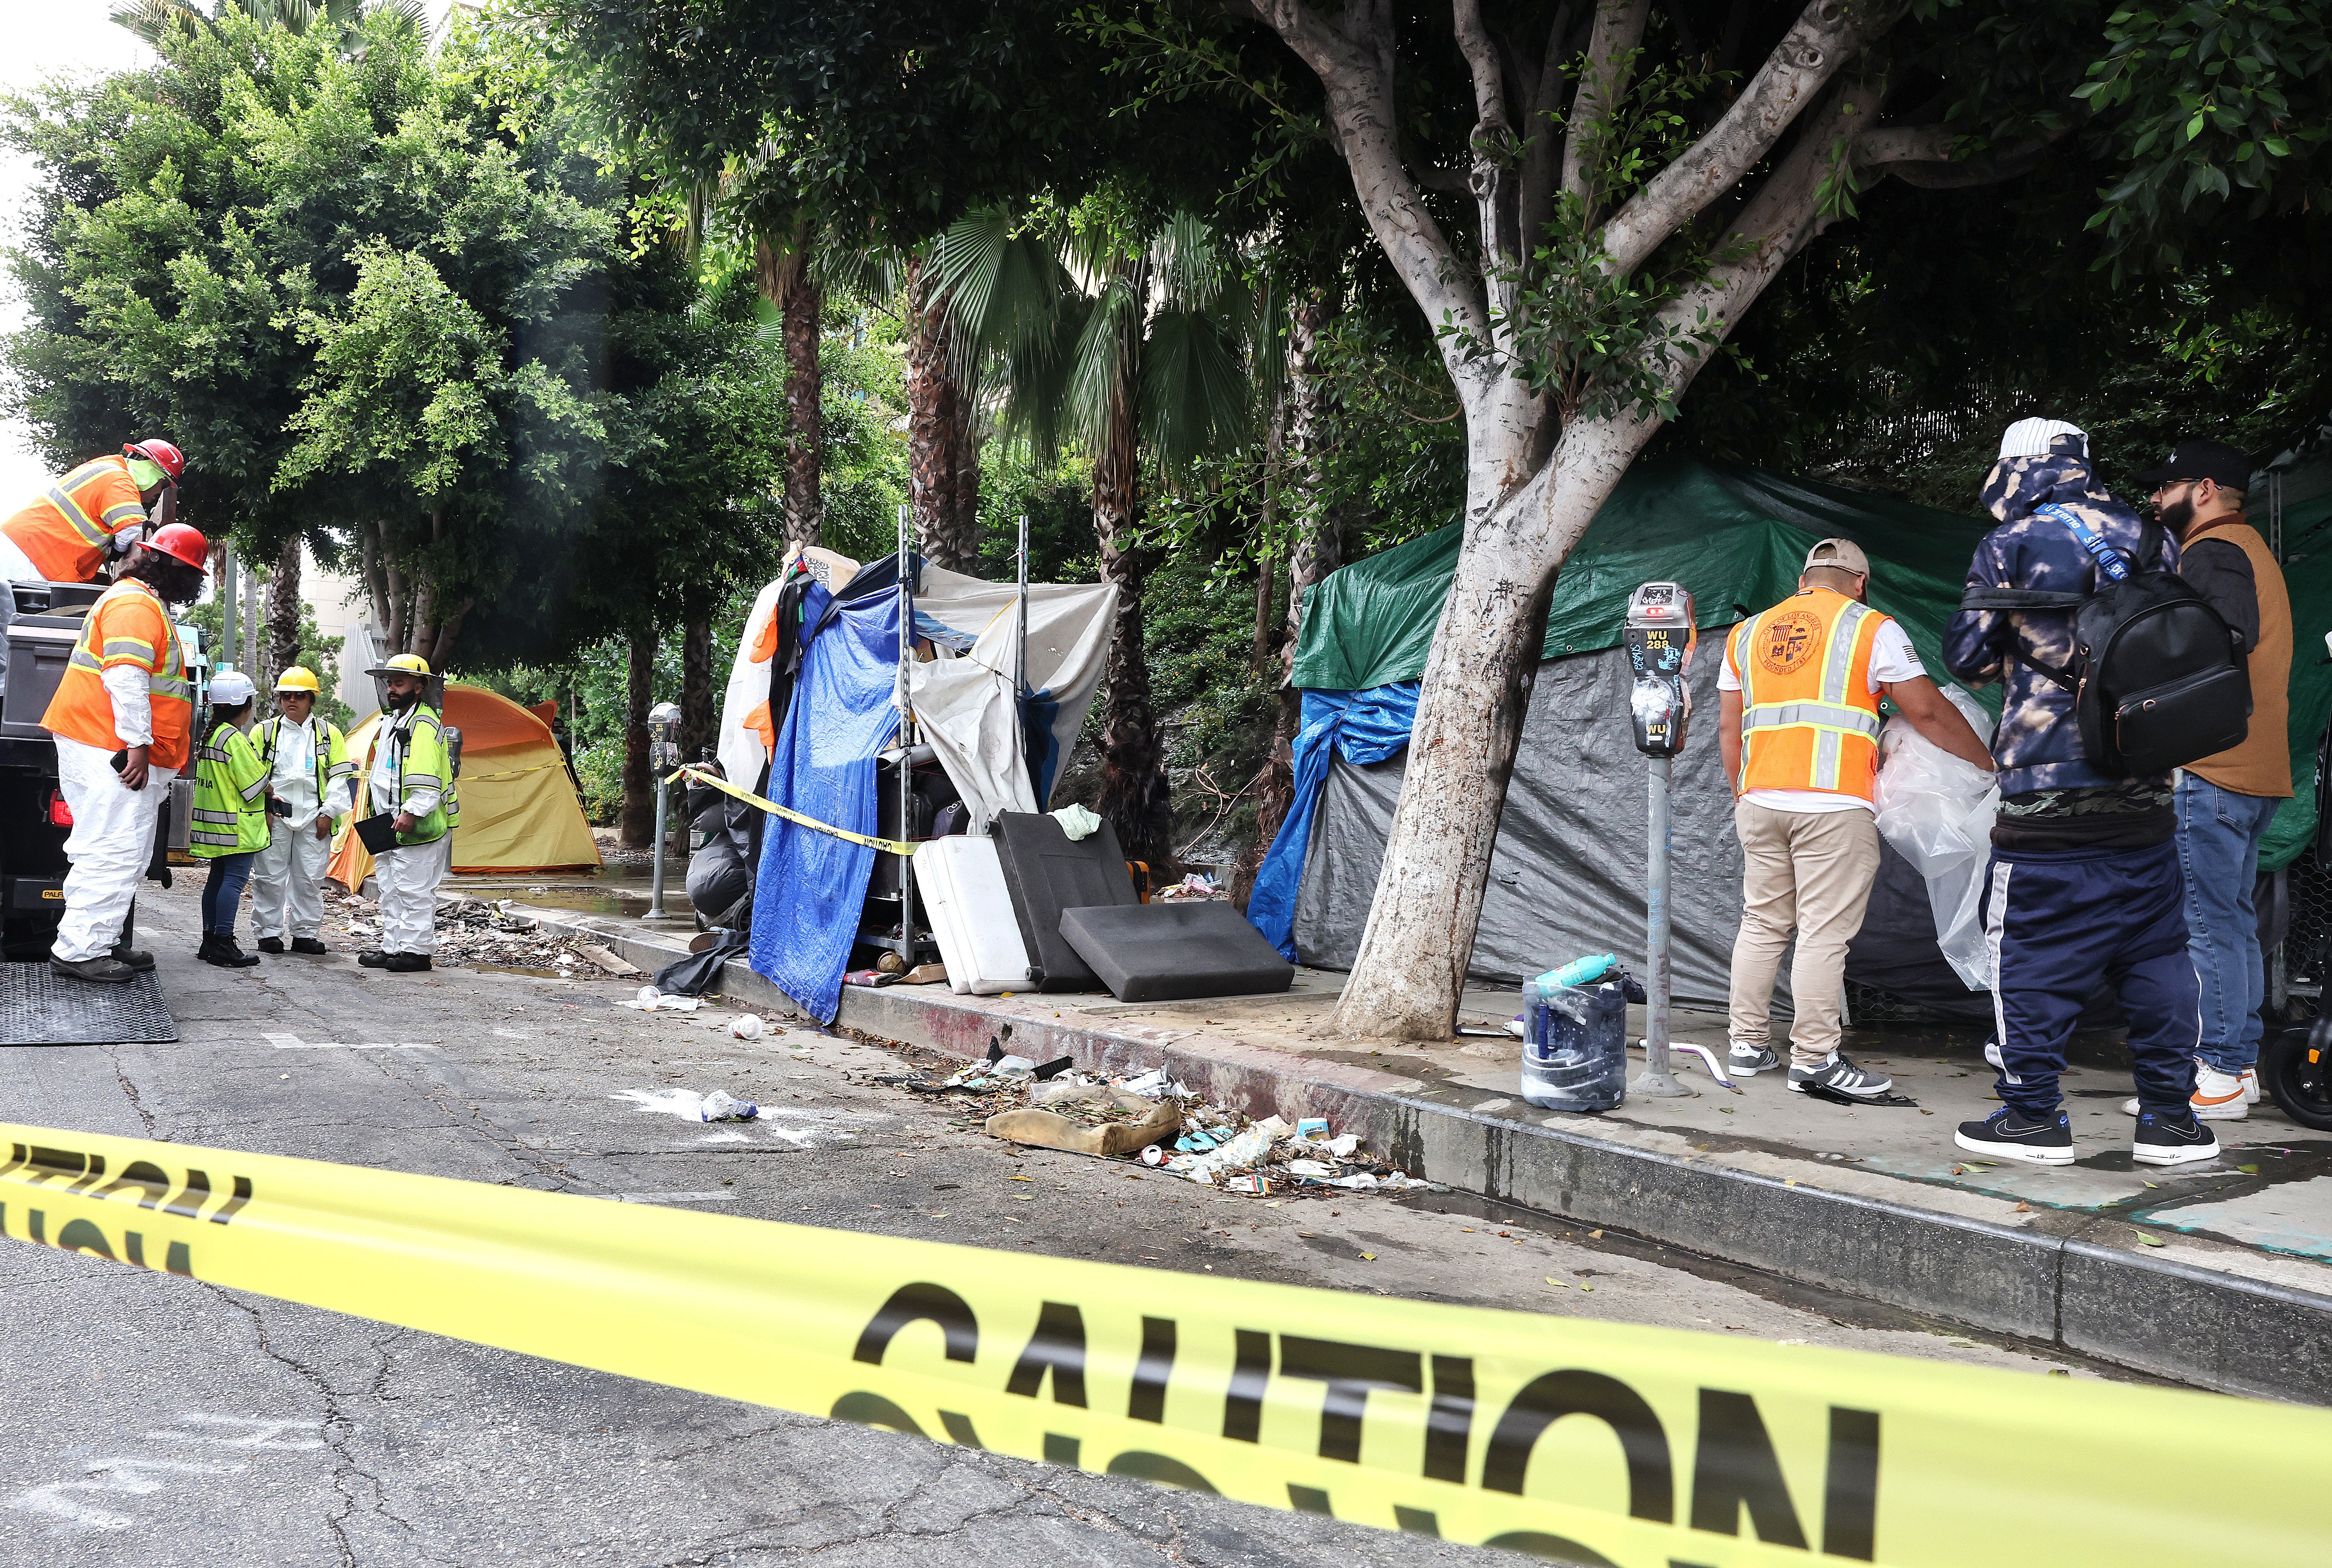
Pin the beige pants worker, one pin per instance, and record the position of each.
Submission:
(1807, 872)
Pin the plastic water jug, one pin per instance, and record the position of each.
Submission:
(1574, 1044)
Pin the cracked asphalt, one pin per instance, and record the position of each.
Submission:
(154, 1419)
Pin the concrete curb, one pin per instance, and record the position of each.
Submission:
(2053, 1283)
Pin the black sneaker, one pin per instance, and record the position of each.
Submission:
(103, 969)
(306, 944)
(2172, 1138)
(228, 955)
(271, 944)
(1839, 1076)
(2006, 1132)
(375, 959)
(130, 957)
(407, 963)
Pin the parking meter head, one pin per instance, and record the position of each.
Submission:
(1660, 639)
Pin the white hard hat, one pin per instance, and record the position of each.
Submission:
(231, 689)
(2031, 437)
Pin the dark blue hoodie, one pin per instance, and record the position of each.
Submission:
(2038, 745)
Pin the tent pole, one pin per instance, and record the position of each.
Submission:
(907, 948)
(1020, 667)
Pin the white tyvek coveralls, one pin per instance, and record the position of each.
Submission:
(112, 838)
(407, 877)
(287, 879)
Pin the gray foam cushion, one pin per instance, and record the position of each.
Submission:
(1169, 952)
(1046, 872)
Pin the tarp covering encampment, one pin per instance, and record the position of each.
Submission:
(519, 808)
(1567, 872)
(810, 745)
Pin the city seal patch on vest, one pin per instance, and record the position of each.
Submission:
(1789, 640)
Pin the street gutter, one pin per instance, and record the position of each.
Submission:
(2060, 1278)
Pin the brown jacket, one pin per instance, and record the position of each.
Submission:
(2261, 764)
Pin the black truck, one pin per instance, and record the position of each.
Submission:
(35, 820)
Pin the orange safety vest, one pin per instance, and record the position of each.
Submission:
(65, 533)
(1809, 720)
(127, 626)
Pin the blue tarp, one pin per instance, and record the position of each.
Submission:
(813, 885)
(1362, 727)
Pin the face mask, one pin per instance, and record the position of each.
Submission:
(143, 474)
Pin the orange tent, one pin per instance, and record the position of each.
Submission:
(519, 812)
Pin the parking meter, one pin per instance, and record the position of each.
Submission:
(1660, 642)
(663, 757)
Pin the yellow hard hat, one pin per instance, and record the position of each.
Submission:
(401, 664)
(299, 677)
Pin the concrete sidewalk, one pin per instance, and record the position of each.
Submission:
(2218, 1275)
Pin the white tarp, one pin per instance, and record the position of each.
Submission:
(963, 703)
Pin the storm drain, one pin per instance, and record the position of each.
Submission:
(38, 1006)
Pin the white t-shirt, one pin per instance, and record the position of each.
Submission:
(1892, 658)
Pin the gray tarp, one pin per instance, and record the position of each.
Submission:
(1567, 873)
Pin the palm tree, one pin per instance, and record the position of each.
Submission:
(152, 19)
(1129, 344)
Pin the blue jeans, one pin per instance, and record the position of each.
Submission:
(223, 894)
(2219, 834)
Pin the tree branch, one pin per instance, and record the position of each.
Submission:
(1895, 144)
(1942, 175)
(1825, 34)
(1492, 175)
(1354, 62)
(1619, 28)
(1543, 157)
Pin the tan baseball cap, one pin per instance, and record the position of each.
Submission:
(1844, 554)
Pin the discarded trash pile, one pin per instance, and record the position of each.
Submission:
(482, 931)
(1155, 1121)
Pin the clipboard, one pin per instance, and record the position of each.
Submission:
(378, 834)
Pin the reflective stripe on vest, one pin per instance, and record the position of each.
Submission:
(81, 707)
(1837, 718)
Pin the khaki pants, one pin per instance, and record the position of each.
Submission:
(1809, 873)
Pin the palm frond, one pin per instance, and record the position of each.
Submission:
(151, 19)
(1036, 376)
(1193, 265)
(1105, 364)
(1194, 388)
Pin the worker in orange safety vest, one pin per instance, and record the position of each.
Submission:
(122, 718)
(66, 533)
(1799, 732)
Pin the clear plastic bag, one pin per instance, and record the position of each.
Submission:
(1936, 812)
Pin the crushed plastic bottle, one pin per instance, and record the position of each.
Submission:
(721, 1105)
(746, 1026)
(1574, 1044)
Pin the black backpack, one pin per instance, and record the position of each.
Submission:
(2159, 678)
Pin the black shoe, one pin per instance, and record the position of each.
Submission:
(2172, 1138)
(407, 963)
(303, 944)
(375, 959)
(2008, 1133)
(130, 957)
(102, 969)
(209, 947)
(271, 944)
(226, 955)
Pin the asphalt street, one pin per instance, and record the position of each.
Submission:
(154, 1419)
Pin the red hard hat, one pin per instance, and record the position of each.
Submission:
(182, 543)
(172, 460)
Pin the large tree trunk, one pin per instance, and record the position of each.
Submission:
(801, 300)
(1134, 795)
(964, 440)
(284, 610)
(1318, 551)
(638, 823)
(937, 423)
(699, 721)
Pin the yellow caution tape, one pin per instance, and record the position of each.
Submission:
(1595, 1443)
(888, 846)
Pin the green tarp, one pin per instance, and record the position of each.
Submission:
(1736, 536)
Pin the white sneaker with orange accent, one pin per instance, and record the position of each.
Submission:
(2218, 1097)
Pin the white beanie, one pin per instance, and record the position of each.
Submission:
(2031, 437)
(230, 689)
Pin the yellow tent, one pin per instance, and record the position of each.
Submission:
(519, 808)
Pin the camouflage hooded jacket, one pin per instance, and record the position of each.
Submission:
(2038, 745)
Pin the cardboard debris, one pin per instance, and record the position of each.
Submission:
(605, 959)
(1051, 1130)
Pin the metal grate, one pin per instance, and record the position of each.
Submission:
(38, 1006)
(2295, 970)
